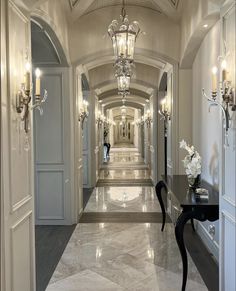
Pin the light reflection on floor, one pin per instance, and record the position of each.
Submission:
(123, 256)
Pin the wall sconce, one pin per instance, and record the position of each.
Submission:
(24, 96)
(84, 113)
(148, 118)
(108, 122)
(100, 119)
(165, 113)
(140, 122)
(227, 93)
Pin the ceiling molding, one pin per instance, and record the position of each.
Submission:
(174, 3)
(73, 3)
(118, 98)
(127, 103)
(143, 56)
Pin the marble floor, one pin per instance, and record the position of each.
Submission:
(123, 256)
(124, 163)
(123, 199)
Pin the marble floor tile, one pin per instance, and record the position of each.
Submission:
(126, 269)
(123, 256)
(123, 199)
(127, 255)
(165, 281)
(124, 155)
(86, 280)
(124, 174)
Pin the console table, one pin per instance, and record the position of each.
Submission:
(183, 204)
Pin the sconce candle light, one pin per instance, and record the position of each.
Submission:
(24, 96)
(100, 119)
(148, 118)
(227, 93)
(165, 112)
(84, 113)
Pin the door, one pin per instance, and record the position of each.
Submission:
(18, 263)
(52, 151)
(78, 144)
(228, 187)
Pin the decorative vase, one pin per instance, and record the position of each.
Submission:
(194, 183)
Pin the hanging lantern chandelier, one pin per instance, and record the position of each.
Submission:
(123, 36)
(123, 75)
(123, 83)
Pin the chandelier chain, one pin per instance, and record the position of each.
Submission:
(123, 12)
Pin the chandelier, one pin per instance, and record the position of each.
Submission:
(123, 83)
(123, 109)
(123, 36)
(123, 74)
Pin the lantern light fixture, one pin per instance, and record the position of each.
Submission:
(123, 36)
(123, 83)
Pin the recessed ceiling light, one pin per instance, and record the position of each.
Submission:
(205, 25)
(100, 101)
(147, 100)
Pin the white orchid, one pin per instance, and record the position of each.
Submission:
(192, 162)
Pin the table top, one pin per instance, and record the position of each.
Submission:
(178, 186)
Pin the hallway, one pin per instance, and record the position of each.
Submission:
(110, 249)
(118, 116)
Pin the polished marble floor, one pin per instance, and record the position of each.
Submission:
(124, 155)
(123, 199)
(124, 174)
(123, 256)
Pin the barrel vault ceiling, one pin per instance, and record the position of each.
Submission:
(170, 8)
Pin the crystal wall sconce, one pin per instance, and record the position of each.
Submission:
(140, 122)
(100, 119)
(24, 96)
(84, 113)
(148, 119)
(109, 122)
(227, 94)
(165, 113)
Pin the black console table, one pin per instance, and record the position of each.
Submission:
(183, 204)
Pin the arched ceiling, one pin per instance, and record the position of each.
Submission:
(170, 8)
(114, 92)
(145, 75)
(116, 111)
(127, 103)
(143, 82)
(113, 99)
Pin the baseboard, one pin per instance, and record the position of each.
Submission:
(211, 245)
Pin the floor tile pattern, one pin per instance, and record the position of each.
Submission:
(123, 256)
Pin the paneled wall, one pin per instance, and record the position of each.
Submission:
(17, 227)
(228, 166)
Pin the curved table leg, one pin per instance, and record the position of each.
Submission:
(179, 235)
(158, 187)
(192, 223)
